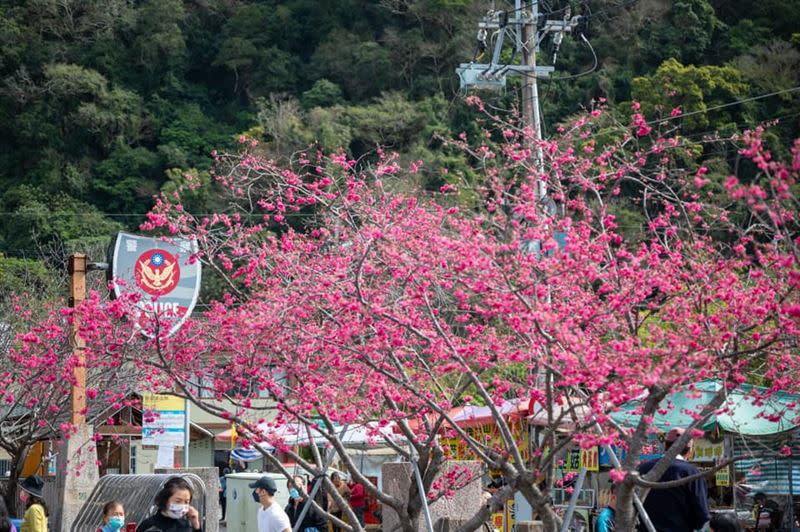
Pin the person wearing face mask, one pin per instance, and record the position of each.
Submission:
(35, 518)
(271, 517)
(113, 517)
(174, 510)
(298, 499)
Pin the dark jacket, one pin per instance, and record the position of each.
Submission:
(312, 518)
(162, 523)
(680, 509)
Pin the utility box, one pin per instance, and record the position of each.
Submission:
(241, 509)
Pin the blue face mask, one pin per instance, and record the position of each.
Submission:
(256, 497)
(116, 522)
(293, 494)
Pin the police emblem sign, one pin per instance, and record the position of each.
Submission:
(163, 273)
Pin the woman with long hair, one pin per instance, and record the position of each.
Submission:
(174, 512)
(35, 518)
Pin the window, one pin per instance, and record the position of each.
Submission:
(132, 462)
(5, 466)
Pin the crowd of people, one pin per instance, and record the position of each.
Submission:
(273, 518)
(174, 511)
(679, 508)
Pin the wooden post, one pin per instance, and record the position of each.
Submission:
(77, 293)
(78, 472)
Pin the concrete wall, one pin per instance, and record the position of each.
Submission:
(201, 453)
(398, 477)
(145, 458)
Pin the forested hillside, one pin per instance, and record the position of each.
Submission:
(104, 103)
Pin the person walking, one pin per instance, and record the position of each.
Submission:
(298, 500)
(681, 508)
(223, 490)
(358, 501)
(344, 492)
(606, 520)
(113, 517)
(35, 518)
(174, 512)
(271, 517)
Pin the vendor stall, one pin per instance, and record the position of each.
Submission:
(759, 429)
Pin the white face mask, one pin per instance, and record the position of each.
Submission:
(176, 511)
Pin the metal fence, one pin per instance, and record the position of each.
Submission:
(136, 493)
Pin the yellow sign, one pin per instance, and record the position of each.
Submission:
(154, 402)
(707, 451)
(586, 458)
(590, 459)
(723, 476)
(510, 515)
(163, 420)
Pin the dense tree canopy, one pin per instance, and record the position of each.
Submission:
(104, 104)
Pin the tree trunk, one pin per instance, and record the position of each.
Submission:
(625, 513)
(15, 470)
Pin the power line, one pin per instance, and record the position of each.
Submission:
(724, 105)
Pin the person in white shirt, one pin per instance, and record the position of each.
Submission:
(271, 517)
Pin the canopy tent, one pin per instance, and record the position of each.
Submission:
(373, 434)
(471, 416)
(567, 416)
(747, 410)
(365, 444)
(248, 455)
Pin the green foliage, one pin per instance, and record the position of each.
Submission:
(363, 68)
(685, 32)
(104, 103)
(19, 275)
(323, 93)
(35, 216)
(690, 88)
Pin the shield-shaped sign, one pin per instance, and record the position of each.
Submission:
(163, 272)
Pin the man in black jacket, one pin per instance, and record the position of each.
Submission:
(298, 499)
(681, 508)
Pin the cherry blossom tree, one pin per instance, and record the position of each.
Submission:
(38, 371)
(394, 308)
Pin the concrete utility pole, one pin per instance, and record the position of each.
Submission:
(525, 25)
(530, 89)
(527, 28)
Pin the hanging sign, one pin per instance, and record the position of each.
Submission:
(165, 275)
(723, 476)
(590, 459)
(163, 420)
(707, 451)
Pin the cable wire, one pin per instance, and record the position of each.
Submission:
(586, 73)
(724, 105)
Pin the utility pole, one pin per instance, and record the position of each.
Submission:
(528, 28)
(77, 472)
(530, 90)
(77, 293)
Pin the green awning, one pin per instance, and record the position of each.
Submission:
(744, 411)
